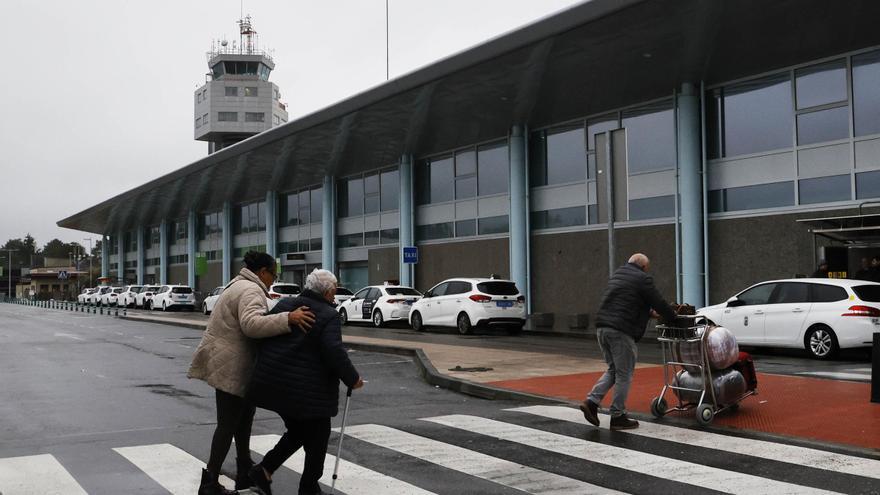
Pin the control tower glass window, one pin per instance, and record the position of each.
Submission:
(231, 90)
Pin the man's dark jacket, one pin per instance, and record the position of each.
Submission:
(297, 374)
(628, 300)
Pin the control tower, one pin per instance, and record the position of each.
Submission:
(237, 99)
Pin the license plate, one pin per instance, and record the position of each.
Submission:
(504, 304)
(407, 303)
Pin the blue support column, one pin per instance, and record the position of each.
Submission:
(163, 252)
(407, 219)
(328, 223)
(519, 210)
(272, 223)
(120, 265)
(227, 242)
(141, 255)
(690, 188)
(191, 237)
(105, 256)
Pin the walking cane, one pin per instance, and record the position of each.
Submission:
(341, 436)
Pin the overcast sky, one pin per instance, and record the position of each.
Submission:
(97, 95)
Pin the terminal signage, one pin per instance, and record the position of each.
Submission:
(410, 255)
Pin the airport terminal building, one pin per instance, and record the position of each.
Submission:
(697, 132)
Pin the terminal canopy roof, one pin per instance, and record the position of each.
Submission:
(596, 56)
(862, 228)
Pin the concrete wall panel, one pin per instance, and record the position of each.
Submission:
(383, 265)
(461, 259)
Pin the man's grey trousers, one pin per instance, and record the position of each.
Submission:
(620, 352)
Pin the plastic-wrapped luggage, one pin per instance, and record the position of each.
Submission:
(729, 386)
(722, 350)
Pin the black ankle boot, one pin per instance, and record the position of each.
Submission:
(242, 480)
(211, 486)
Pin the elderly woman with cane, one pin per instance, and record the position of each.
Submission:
(297, 375)
(225, 359)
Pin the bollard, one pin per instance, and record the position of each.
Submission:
(117, 311)
(875, 369)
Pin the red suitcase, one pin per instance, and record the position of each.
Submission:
(746, 366)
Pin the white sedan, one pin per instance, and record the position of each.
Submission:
(211, 300)
(379, 304)
(86, 294)
(465, 303)
(127, 297)
(173, 296)
(821, 315)
(95, 297)
(143, 298)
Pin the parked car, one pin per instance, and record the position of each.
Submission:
(342, 294)
(821, 315)
(465, 303)
(111, 297)
(379, 304)
(279, 290)
(143, 298)
(127, 298)
(211, 300)
(174, 296)
(95, 298)
(85, 295)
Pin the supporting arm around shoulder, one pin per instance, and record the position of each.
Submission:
(252, 317)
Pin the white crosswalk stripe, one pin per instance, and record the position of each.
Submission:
(353, 479)
(36, 475)
(792, 454)
(853, 374)
(173, 468)
(466, 461)
(640, 462)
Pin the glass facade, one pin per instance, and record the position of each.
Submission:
(493, 225)
(249, 218)
(558, 156)
(300, 207)
(650, 138)
(752, 197)
(866, 93)
(494, 169)
(368, 194)
(558, 218)
(209, 225)
(656, 207)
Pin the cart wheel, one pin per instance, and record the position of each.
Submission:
(733, 407)
(658, 407)
(705, 413)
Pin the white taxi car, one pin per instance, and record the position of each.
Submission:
(95, 297)
(465, 303)
(279, 290)
(342, 294)
(211, 300)
(85, 295)
(143, 298)
(111, 297)
(128, 295)
(379, 304)
(821, 315)
(174, 296)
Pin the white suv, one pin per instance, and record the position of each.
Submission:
(822, 315)
(95, 297)
(279, 290)
(174, 296)
(464, 303)
(86, 294)
(211, 300)
(110, 297)
(143, 298)
(379, 304)
(127, 298)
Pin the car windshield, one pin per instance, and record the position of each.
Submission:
(868, 293)
(135, 288)
(118, 290)
(402, 291)
(286, 289)
(150, 289)
(182, 290)
(498, 288)
(105, 290)
(342, 291)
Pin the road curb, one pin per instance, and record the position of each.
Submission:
(195, 326)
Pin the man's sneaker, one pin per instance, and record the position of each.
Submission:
(623, 423)
(590, 410)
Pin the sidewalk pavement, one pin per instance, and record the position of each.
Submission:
(813, 410)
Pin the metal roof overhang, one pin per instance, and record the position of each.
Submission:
(593, 57)
(858, 229)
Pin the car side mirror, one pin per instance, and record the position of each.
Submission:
(427, 294)
(734, 302)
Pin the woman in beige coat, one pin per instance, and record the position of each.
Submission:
(225, 359)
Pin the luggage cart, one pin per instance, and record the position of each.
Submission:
(688, 330)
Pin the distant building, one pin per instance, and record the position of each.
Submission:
(238, 100)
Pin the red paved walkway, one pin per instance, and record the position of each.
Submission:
(811, 408)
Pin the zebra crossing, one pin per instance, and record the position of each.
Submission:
(850, 374)
(532, 449)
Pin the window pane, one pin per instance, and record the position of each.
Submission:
(250, 91)
(828, 293)
(465, 163)
(791, 292)
(493, 225)
(538, 159)
(261, 215)
(465, 228)
(494, 169)
(650, 138)
(390, 190)
(371, 203)
(422, 180)
(389, 236)
(317, 205)
(371, 184)
(355, 197)
(821, 84)
(645, 208)
(752, 197)
(757, 295)
(824, 189)
(441, 180)
(825, 125)
(227, 116)
(371, 238)
(466, 188)
(231, 91)
(561, 217)
(350, 240)
(593, 213)
(303, 207)
(866, 93)
(289, 210)
(566, 156)
(868, 185)
(254, 117)
(757, 116)
(434, 231)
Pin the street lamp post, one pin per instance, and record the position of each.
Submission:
(90, 257)
(9, 255)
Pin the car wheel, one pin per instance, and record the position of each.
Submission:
(377, 318)
(150, 305)
(343, 315)
(464, 324)
(820, 342)
(164, 307)
(205, 309)
(416, 322)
